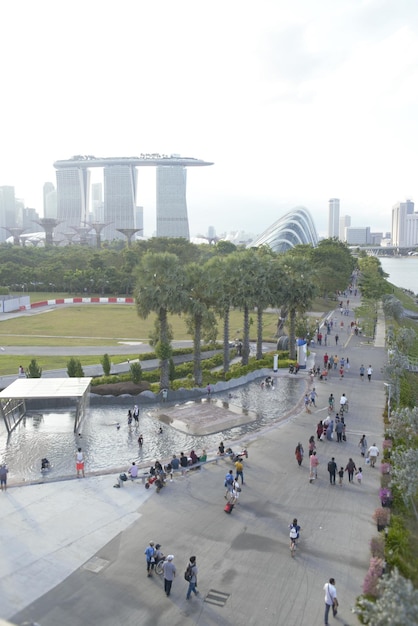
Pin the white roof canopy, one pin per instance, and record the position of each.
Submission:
(26, 388)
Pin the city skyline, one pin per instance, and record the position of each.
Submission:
(296, 103)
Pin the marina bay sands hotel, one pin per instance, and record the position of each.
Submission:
(119, 214)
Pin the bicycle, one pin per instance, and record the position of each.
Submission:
(158, 568)
(343, 409)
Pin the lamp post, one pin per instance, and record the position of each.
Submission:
(389, 388)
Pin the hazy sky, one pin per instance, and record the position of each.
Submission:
(295, 101)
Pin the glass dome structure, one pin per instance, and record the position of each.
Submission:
(294, 228)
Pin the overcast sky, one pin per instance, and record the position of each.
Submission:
(295, 101)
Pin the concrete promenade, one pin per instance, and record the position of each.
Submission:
(73, 553)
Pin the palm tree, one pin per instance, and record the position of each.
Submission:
(160, 289)
(219, 274)
(300, 291)
(199, 316)
(244, 267)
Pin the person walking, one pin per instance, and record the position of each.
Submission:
(330, 430)
(229, 481)
(313, 395)
(169, 571)
(135, 414)
(312, 445)
(319, 431)
(79, 463)
(239, 469)
(331, 600)
(350, 468)
(339, 429)
(362, 444)
(369, 373)
(336, 340)
(3, 476)
(299, 453)
(150, 558)
(340, 476)
(373, 453)
(192, 568)
(332, 469)
(313, 467)
(362, 370)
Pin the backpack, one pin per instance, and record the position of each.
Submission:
(188, 574)
(229, 479)
(331, 466)
(293, 533)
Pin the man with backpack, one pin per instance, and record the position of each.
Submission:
(229, 481)
(150, 558)
(191, 576)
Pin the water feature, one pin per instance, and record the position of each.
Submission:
(50, 433)
(403, 271)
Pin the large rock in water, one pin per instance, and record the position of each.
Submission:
(120, 389)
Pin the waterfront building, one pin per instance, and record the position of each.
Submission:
(119, 199)
(139, 220)
(345, 222)
(7, 210)
(120, 188)
(72, 198)
(97, 202)
(49, 200)
(333, 217)
(172, 220)
(402, 223)
(296, 227)
(358, 235)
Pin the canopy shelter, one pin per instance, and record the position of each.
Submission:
(13, 398)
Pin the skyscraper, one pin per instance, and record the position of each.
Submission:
(400, 213)
(345, 222)
(333, 217)
(172, 220)
(72, 197)
(97, 202)
(119, 199)
(50, 200)
(7, 210)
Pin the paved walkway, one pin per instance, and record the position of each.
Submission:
(88, 539)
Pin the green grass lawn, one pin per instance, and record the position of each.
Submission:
(103, 325)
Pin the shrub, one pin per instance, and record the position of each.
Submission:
(74, 369)
(373, 576)
(397, 540)
(33, 370)
(385, 480)
(377, 546)
(381, 516)
(136, 372)
(106, 365)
